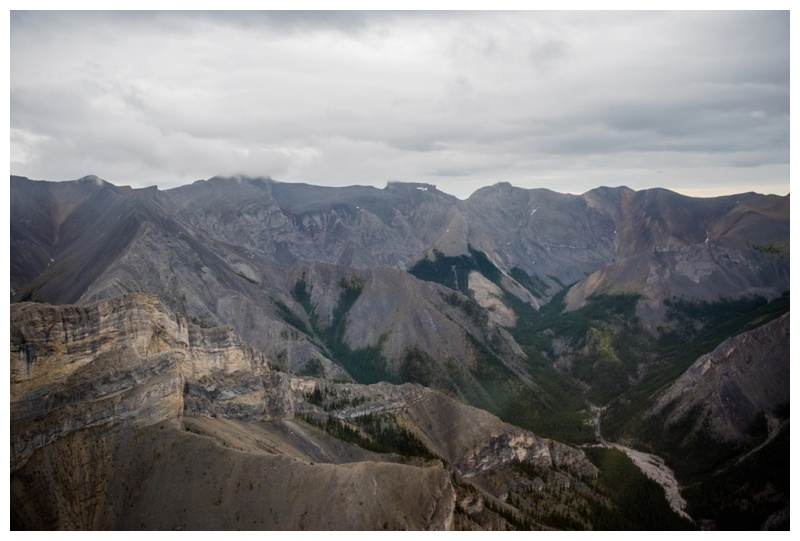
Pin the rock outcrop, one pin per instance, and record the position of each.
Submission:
(124, 415)
(129, 361)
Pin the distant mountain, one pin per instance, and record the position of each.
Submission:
(528, 304)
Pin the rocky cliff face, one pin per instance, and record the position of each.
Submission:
(128, 361)
(358, 226)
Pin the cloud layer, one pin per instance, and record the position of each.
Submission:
(693, 101)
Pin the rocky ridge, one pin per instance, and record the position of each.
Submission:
(103, 379)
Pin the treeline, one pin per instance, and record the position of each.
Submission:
(378, 433)
(391, 437)
(453, 271)
(534, 284)
(331, 401)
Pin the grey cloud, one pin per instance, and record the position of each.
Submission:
(544, 56)
(358, 97)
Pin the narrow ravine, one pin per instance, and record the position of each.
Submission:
(653, 467)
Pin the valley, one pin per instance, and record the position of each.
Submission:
(437, 363)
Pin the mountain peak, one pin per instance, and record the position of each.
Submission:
(421, 186)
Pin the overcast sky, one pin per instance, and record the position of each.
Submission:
(697, 102)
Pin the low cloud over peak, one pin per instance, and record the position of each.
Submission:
(563, 100)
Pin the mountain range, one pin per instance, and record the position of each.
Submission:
(450, 348)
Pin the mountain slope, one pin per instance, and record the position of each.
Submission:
(744, 376)
(725, 425)
(523, 303)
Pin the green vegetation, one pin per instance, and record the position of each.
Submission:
(562, 414)
(697, 329)
(290, 317)
(453, 272)
(469, 308)
(551, 407)
(556, 280)
(712, 470)
(717, 320)
(719, 483)
(339, 430)
(315, 397)
(379, 433)
(693, 457)
(329, 400)
(620, 498)
(774, 248)
(204, 320)
(302, 295)
(366, 365)
(516, 520)
(418, 367)
(391, 437)
(28, 294)
(638, 503)
(605, 337)
(726, 496)
(534, 284)
(620, 363)
(574, 325)
(609, 351)
(313, 368)
(240, 275)
(540, 497)
(611, 359)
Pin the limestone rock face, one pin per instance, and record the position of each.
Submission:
(128, 360)
(527, 448)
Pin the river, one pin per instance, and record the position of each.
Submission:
(653, 467)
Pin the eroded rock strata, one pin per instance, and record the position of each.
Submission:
(126, 416)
